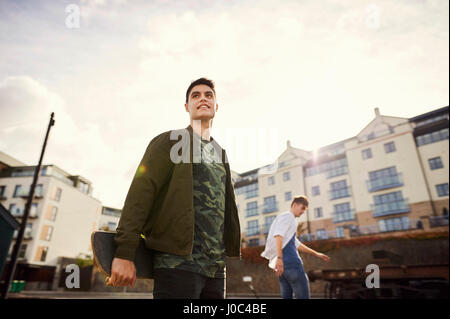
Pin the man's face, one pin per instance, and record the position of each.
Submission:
(299, 209)
(201, 103)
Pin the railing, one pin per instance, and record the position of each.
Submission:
(436, 221)
(385, 182)
(375, 229)
(249, 212)
(339, 193)
(384, 209)
(365, 230)
(266, 228)
(270, 208)
(343, 216)
(251, 194)
(337, 171)
(252, 231)
(25, 192)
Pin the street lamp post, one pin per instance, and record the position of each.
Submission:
(13, 262)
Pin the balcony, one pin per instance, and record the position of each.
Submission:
(254, 231)
(266, 228)
(24, 193)
(339, 193)
(391, 208)
(26, 234)
(323, 235)
(436, 221)
(374, 185)
(270, 208)
(19, 213)
(249, 212)
(343, 216)
(337, 172)
(367, 230)
(397, 226)
(251, 194)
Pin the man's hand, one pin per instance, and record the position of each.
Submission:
(279, 268)
(123, 273)
(323, 257)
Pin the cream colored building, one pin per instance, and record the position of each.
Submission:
(109, 218)
(391, 177)
(63, 214)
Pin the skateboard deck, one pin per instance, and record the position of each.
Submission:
(104, 248)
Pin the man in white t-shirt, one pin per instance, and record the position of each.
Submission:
(282, 249)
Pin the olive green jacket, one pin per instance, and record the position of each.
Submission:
(159, 203)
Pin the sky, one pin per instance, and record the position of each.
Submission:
(115, 73)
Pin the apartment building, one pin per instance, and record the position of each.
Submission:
(391, 177)
(62, 216)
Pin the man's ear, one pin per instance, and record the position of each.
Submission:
(186, 107)
(217, 107)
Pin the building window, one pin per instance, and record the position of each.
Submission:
(442, 189)
(340, 232)
(343, 212)
(33, 210)
(389, 147)
(322, 234)
(112, 225)
(393, 224)
(318, 212)
(288, 196)
(315, 190)
(339, 189)
(270, 205)
(268, 222)
(23, 250)
(250, 190)
(17, 190)
(384, 178)
(53, 213)
(390, 203)
(432, 137)
(2, 190)
(58, 194)
(47, 232)
(44, 253)
(435, 163)
(28, 231)
(367, 153)
(252, 209)
(333, 168)
(252, 228)
(286, 176)
(271, 180)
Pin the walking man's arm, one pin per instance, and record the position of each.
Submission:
(305, 249)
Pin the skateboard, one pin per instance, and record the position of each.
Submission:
(104, 248)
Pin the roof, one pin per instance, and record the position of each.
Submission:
(10, 161)
(429, 114)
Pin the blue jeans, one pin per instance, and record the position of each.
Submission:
(294, 280)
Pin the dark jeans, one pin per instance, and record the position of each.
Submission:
(294, 280)
(181, 284)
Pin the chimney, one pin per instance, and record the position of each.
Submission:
(288, 144)
(377, 112)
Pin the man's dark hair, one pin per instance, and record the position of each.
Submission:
(301, 199)
(205, 81)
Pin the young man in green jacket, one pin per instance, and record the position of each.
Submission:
(182, 201)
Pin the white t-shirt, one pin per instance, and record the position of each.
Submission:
(284, 225)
